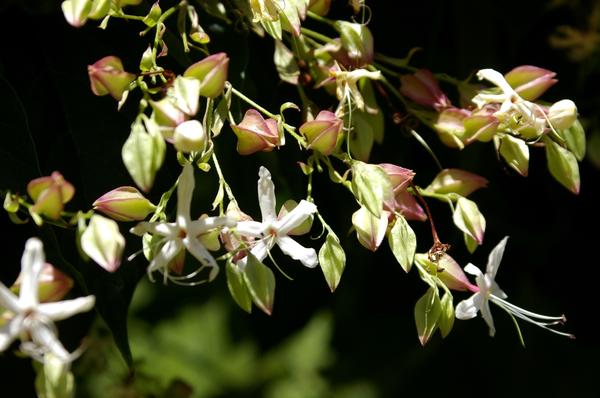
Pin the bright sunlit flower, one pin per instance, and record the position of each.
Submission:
(31, 321)
(490, 291)
(183, 234)
(274, 231)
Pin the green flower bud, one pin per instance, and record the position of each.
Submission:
(50, 194)
(469, 219)
(370, 230)
(319, 7)
(562, 114)
(107, 76)
(124, 204)
(450, 127)
(255, 133)
(212, 74)
(530, 82)
(103, 242)
(357, 40)
(323, 132)
(53, 284)
(189, 137)
(456, 181)
(76, 11)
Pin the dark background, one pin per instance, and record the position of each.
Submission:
(550, 264)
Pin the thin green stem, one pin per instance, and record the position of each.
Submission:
(319, 18)
(222, 181)
(316, 35)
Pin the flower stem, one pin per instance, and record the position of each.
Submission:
(319, 18)
(316, 35)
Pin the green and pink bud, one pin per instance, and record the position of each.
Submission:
(189, 137)
(370, 230)
(480, 126)
(319, 7)
(103, 242)
(469, 219)
(107, 76)
(408, 207)
(448, 271)
(562, 114)
(50, 194)
(450, 127)
(323, 132)
(530, 82)
(124, 204)
(456, 181)
(255, 133)
(357, 41)
(422, 88)
(53, 284)
(212, 74)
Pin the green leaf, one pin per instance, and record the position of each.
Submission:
(372, 113)
(515, 152)
(470, 243)
(403, 242)
(285, 63)
(221, 113)
(427, 314)
(361, 136)
(332, 260)
(370, 186)
(447, 314)
(574, 136)
(273, 28)
(143, 152)
(260, 281)
(563, 166)
(237, 287)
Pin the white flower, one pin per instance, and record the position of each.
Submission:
(32, 321)
(490, 291)
(513, 107)
(273, 231)
(183, 233)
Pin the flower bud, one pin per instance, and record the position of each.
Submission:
(562, 114)
(189, 137)
(168, 116)
(530, 82)
(480, 126)
(107, 76)
(469, 219)
(400, 177)
(319, 7)
(124, 204)
(456, 181)
(357, 40)
(448, 271)
(103, 242)
(450, 127)
(53, 284)
(322, 133)
(370, 230)
(422, 88)
(408, 206)
(255, 133)
(50, 194)
(212, 73)
(76, 11)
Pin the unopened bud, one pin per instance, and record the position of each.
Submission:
(319, 7)
(322, 133)
(124, 204)
(469, 219)
(103, 242)
(408, 207)
(107, 76)
(212, 73)
(357, 40)
(450, 127)
(370, 230)
(76, 11)
(563, 114)
(422, 88)
(189, 137)
(255, 133)
(456, 181)
(480, 126)
(50, 194)
(530, 82)
(53, 284)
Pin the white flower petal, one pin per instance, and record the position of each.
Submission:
(168, 230)
(200, 252)
(497, 79)
(487, 316)
(250, 228)
(495, 257)
(467, 309)
(32, 263)
(9, 331)
(496, 291)
(8, 299)
(266, 195)
(259, 251)
(203, 225)
(473, 270)
(45, 337)
(307, 256)
(295, 217)
(60, 310)
(169, 250)
(185, 190)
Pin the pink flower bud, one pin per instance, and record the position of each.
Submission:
(530, 82)
(124, 204)
(408, 206)
(448, 271)
(422, 88)
(50, 194)
(323, 132)
(255, 133)
(370, 230)
(53, 285)
(456, 181)
(450, 127)
(480, 126)
(107, 76)
(400, 177)
(212, 73)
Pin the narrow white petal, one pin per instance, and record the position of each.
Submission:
(295, 217)
(473, 270)
(496, 291)
(495, 257)
(260, 250)
(467, 309)
(165, 255)
(169, 230)
(8, 299)
(203, 225)
(185, 190)
(266, 195)
(32, 263)
(9, 331)
(295, 250)
(254, 229)
(45, 337)
(497, 79)
(60, 310)
(487, 316)
(199, 251)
